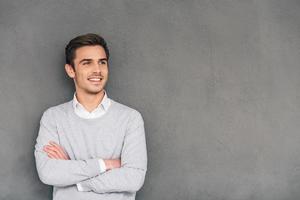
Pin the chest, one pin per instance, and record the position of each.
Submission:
(92, 140)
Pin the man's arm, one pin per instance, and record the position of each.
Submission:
(55, 151)
(59, 172)
(131, 175)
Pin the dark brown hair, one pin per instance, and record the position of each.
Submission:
(89, 39)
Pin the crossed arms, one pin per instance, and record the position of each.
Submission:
(124, 175)
(55, 151)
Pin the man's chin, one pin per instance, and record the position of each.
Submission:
(94, 91)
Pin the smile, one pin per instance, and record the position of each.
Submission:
(95, 79)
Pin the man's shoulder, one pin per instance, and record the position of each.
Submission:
(59, 109)
(125, 109)
(130, 114)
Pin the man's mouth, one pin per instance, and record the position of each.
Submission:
(95, 79)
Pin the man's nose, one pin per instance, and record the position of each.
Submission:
(96, 67)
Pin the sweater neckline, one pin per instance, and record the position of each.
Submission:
(101, 118)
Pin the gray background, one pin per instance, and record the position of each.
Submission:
(217, 82)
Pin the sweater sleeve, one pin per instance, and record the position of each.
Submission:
(131, 175)
(59, 172)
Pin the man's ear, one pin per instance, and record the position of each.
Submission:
(70, 70)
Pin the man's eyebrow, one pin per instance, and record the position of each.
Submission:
(89, 60)
(85, 59)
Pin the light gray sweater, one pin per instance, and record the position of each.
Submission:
(117, 134)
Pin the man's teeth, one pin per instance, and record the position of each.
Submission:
(95, 79)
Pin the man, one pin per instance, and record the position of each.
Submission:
(91, 147)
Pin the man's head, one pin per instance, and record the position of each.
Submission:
(87, 63)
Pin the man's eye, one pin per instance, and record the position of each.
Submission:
(86, 63)
(102, 62)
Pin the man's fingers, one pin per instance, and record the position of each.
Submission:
(60, 149)
(55, 151)
(52, 154)
(53, 143)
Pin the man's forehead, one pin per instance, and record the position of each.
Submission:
(90, 52)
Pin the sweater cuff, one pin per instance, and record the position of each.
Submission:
(93, 167)
(84, 185)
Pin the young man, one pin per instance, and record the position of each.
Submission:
(91, 147)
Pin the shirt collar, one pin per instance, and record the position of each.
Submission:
(104, 103)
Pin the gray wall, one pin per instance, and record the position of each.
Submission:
(217, 82)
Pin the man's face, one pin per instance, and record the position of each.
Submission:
(91, 69)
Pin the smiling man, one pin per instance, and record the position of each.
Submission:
(91, 147)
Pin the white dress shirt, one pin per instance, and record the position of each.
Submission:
(97, 112)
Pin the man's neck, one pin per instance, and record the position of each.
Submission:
(89, 101)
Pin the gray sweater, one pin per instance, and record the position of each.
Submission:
(117, 134)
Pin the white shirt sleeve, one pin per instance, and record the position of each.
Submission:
(102, 165)
(81, 188)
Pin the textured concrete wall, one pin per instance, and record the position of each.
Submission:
(217, 81)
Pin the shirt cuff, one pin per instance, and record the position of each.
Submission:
(81, 188)
(102, 165)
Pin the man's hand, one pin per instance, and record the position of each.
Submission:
(55, 151)
(112, 163)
